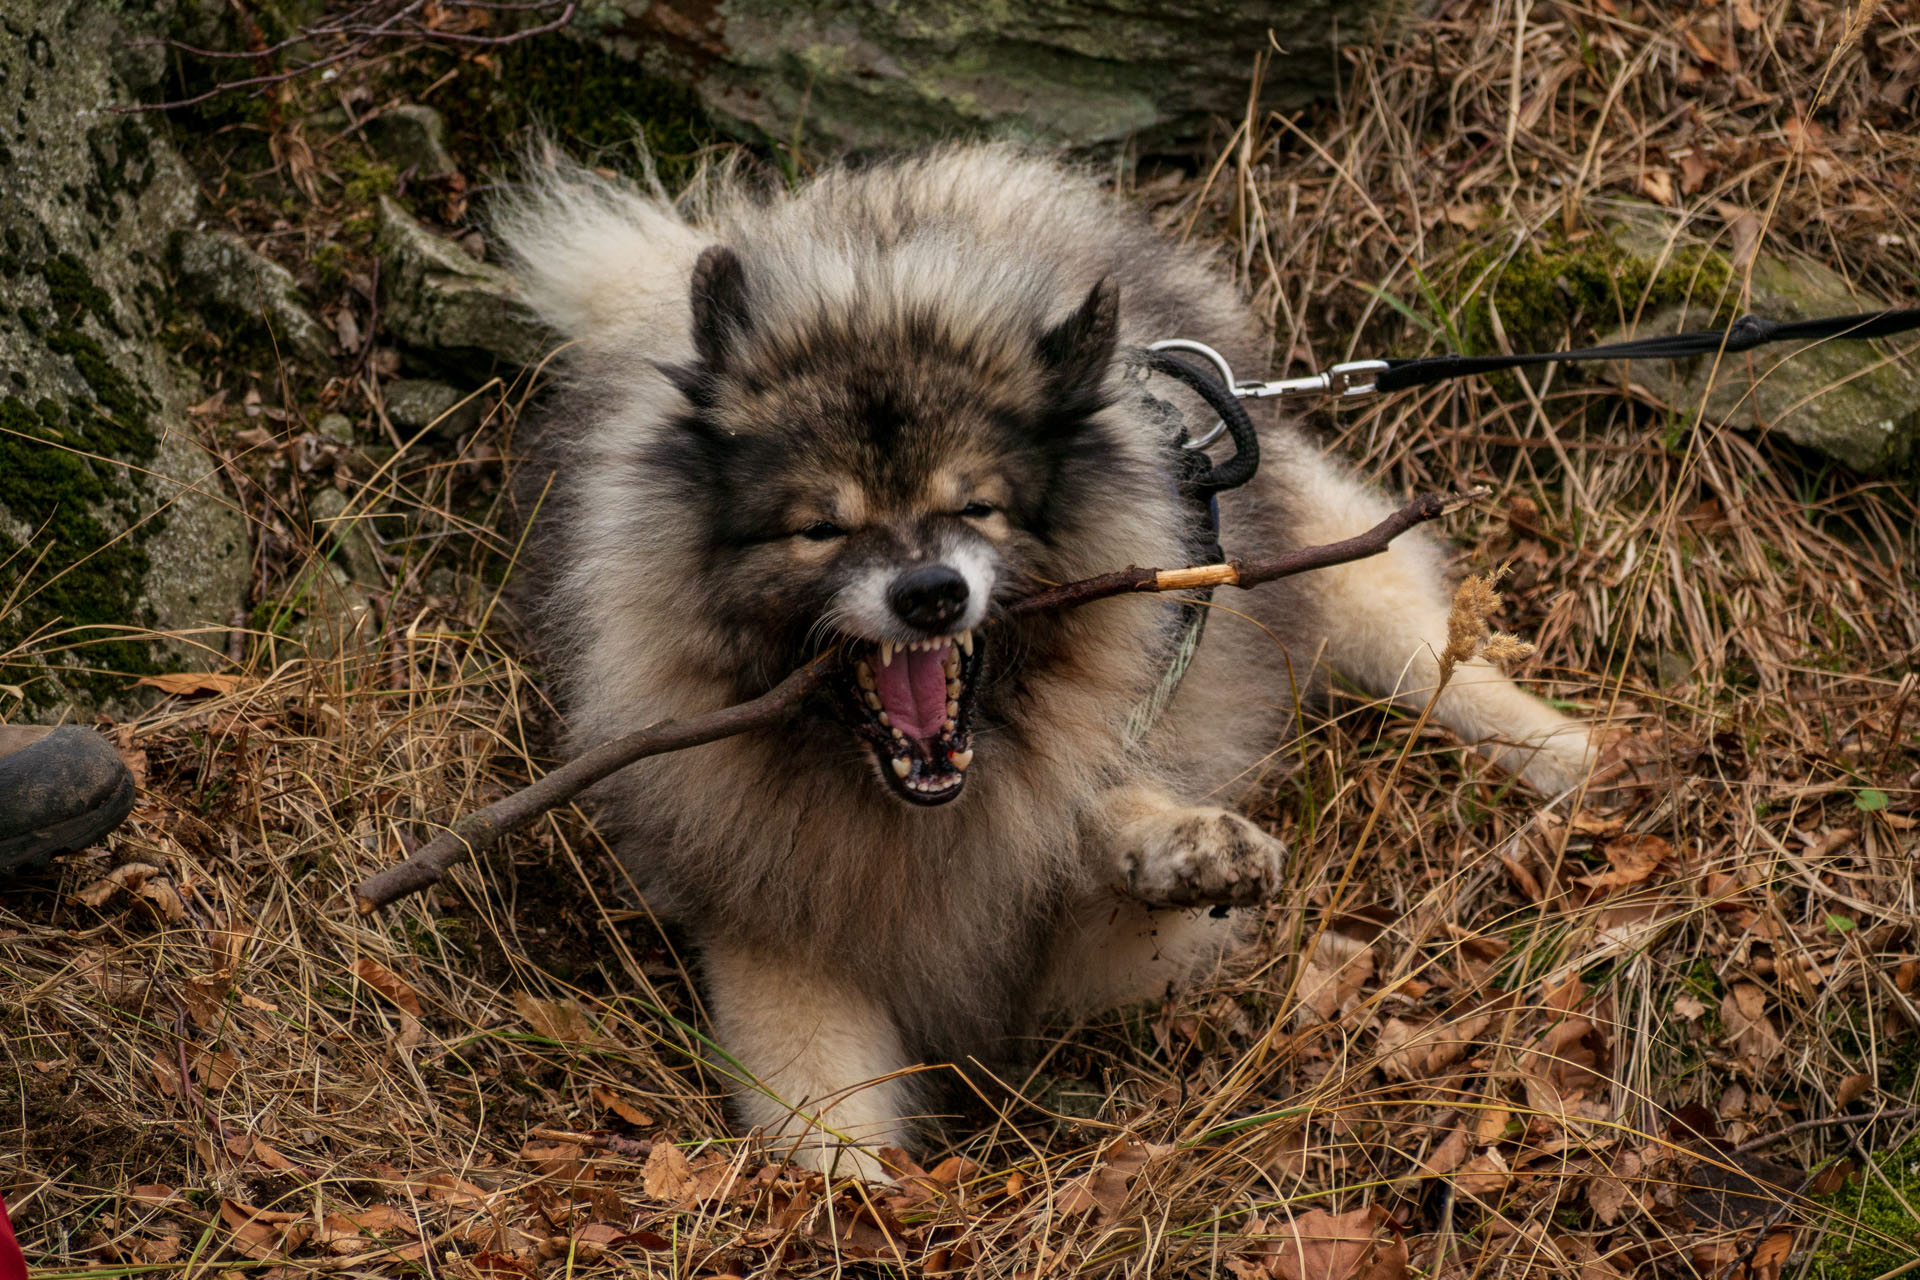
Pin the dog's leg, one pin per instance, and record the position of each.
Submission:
(1169, 854)
(1386, 623)
(1167, 859)
(1112, 952)
(823, 1061)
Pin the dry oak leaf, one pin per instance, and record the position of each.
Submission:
(265, 1233)
(1332, 974)
(1484, 1175)
(1744, 1010)
(389, 984)
(1318, 1245)
(563, 1021)
(1104, 1187)
(621, 1107)
(1634, 859)
(147, 884)
(1450, 1154)
(667, 1175)
(1612, 1195)
(1409, 1052)
(187, 683)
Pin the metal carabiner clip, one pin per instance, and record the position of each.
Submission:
(1349, 379)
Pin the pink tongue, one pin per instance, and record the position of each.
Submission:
(913, 690)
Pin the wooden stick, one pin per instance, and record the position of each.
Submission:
(478, 832)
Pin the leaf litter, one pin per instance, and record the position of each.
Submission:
(1520, 1040)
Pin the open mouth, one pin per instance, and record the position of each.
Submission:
(913, 704)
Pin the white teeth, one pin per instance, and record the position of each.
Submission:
(966, 642)
(952, 725)
(953, 688)
(885, 719)
(953, 711)
(901, 766)
(961, 759)
(863, 676)
(873, 701)
(886, 653)
(901, 736)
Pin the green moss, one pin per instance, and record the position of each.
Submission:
(73, 291)
(1547, 296)
(1874, 1228)
(64, 471)
(331, 262)
(366, 179)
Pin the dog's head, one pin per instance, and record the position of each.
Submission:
(875, 476)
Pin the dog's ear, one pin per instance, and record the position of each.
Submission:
(721, 311)
(1077, 352)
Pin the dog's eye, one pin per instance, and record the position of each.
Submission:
(977, 510)
(822, 531)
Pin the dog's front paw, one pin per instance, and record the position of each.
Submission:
(1200, 858)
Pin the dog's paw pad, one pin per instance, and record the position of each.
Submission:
(1202, 858)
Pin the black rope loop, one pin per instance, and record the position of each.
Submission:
(1209, 478)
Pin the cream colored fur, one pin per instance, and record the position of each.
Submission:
(845, 937)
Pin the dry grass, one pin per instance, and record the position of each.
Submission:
(1536, 1037)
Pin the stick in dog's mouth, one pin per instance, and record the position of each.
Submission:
(914, 706)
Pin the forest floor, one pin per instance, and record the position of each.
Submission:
(1666, 1029)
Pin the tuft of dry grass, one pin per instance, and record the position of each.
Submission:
(1481, 1035)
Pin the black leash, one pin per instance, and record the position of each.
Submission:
(1744, 334)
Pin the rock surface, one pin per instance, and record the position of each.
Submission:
(413, 138)
(856, 73)
(440, 298)
(1853, 402)
(219, 272)
(112, 518)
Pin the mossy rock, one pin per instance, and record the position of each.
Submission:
(441, 299)
(113, 523)
(841, 74)
(1853, 402)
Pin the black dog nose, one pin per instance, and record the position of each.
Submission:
(930, 598)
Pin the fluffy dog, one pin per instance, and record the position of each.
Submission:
(861, 414)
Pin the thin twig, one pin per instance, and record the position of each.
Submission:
(400, 25)
(1822, 1122)
(478, 832)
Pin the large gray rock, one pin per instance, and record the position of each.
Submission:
(112, 518)
(875, 73)
(1853, 402)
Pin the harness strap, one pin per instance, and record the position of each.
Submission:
(1200, 481)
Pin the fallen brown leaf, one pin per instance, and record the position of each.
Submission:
(188, 683)
(1332, 974)
(559, 1020)
(667, 1175)
(1318, 1245)
(1104, 1187)
(1749, 1030)
(389, 984)
(621, 1107)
